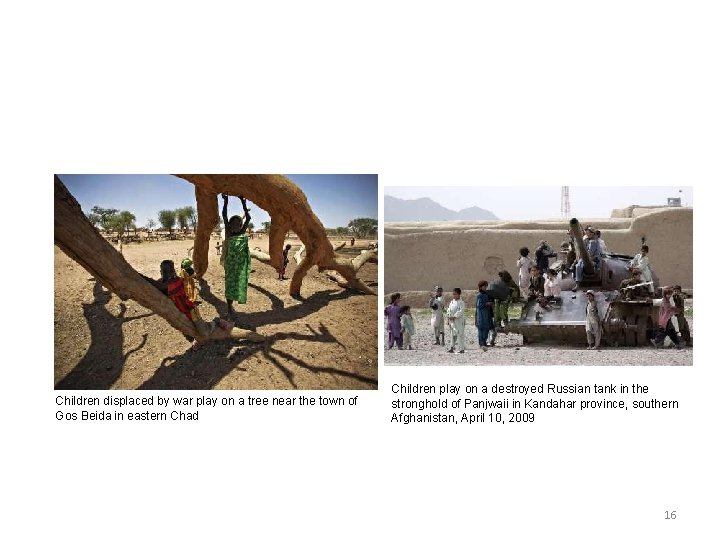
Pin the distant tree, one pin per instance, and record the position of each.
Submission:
(151, 224)
(251, 227)
(167, 219)
(362, 227)
(342, 231)
(266, 226)
(192, 218)
(182, 218)
(186, 216)
(121, 224)
(104, 215)
(95, 219)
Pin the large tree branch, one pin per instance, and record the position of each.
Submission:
(289, 210)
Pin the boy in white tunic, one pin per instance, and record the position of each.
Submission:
(437, 320)
(456, 318)
(641, 261)
(524, 263)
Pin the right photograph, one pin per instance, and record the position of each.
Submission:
(531, 275)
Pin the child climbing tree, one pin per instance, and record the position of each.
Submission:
(237, 258)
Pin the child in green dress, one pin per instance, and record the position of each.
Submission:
(237, 259)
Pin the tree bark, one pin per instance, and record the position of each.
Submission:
(207, 209)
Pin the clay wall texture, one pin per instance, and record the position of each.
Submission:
(460, 253)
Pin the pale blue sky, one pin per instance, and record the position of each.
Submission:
(335, 198)
(533, 202)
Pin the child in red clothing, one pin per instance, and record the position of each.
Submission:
(665, 325)
(171, 285)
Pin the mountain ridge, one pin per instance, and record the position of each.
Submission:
(425, 209)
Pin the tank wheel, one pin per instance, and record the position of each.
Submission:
(630, 334)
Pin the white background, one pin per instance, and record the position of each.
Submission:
(497, 93)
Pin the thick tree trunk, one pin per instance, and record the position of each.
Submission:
(76, 236)
(207, 208)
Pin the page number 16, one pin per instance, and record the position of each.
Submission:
(670, 514)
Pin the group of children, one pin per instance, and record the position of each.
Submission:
(182, 290)
(672, 313)
(401, 325)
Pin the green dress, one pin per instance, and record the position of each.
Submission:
(237, 268)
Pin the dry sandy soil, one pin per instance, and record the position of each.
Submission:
(326, 341)
(510, 351)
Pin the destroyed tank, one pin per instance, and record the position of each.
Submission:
(624, 322)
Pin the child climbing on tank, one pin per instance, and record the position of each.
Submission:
(286, 260)
(171, 285)
(237, 259)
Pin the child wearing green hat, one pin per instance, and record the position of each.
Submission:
(186, 274)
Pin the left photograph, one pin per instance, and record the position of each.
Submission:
(216, 281)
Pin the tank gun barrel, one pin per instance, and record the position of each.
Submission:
(576, 233)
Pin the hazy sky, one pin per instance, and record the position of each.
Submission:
(335, 198)
(519, 202)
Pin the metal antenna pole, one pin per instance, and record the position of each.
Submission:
(565, 203)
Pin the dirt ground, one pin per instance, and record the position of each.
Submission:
(509, 350)
(326, 341)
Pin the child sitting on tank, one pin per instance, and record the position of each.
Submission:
(634, 288)
(552, 286)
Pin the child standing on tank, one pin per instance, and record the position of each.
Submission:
(524, 263)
